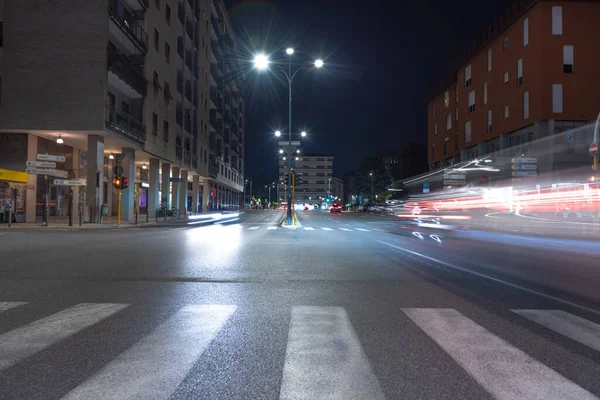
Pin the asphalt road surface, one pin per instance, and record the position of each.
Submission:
(350, 306)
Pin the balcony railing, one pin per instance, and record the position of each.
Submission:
(178, 151)
(123, 123)
(124, 19)
(120, 66)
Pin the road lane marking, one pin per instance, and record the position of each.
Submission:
(345, 229)
(253, 228)
(362, 230)
(271, 228)
(7, 305)
(308, 228)
(324, 358)
(154, 367)
(326, 229)
(576, 328)
(456, 267)
(23, 342)
(502, 369)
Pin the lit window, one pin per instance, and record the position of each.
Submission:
(568, 59)
(506, 77)
(557, 20)
(468, 131)
(505, 111)
(449, 121)
(519, 72)
(468, 76)
(525, 32)
(505, 45)
(472, 101)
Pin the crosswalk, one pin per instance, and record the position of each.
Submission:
(310, 229)
(324, 356)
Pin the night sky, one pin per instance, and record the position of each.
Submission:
(381, 59)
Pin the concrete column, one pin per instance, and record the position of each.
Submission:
(95, 176)
(111, 192)
(175, 187)
(183, 194)
(165, 185)
(127, 197)
(205, 195)
(195, 193)
(154, 182)
(30, 194)
(75, 210)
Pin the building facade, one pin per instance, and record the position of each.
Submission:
(530, 75)
(133, 83)
(317, 179)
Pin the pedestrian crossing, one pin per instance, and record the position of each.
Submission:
(324, 356)
(310, 228)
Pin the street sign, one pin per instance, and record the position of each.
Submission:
(524, 173)
(525, 166)
(61, 173)
(455, 176)
(425, 187)
(524, 160)
(64, 182)
(454, 182)
(593, 149)
(43, 164)
(175, 180)
(40, 171)
(46, 157)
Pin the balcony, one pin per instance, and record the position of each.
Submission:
(180, 82)
(187, 158)
(188, 125)
(213, 170)
(120, 66)
(188, 91)
(123, 18)
(194, 161)
(188, 59)
(179, 115)
(124, 124)
(178, 151)
(180, 46)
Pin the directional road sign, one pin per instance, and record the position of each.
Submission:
(524, 160)
(525, 166)
(41, 171)
(43, 164)
(47, 157)
(524, 173)
(64, 182)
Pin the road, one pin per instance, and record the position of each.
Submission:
(350, 306)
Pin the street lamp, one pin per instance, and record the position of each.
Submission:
(280, 151)
(261, 62)
(303, 134)
(371, 174)
(298, 151)
(277, 133)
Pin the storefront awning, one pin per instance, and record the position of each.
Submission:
(13, 176)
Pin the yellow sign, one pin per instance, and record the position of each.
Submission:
(21, 186)
(13, 176)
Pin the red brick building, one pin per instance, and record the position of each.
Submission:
(533, 73)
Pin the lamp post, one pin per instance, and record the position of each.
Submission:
(371, 174)
(261, 62)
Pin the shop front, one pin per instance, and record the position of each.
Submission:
(13, 193)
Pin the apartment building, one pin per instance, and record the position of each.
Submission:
(530, 75)
(119, 79)
(317, 177)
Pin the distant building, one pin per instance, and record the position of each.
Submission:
(317, 175)
(349, 183)
(518, 82)
(337, 189)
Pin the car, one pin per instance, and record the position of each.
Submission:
(335, 207)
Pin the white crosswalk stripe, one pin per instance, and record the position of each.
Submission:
(7, 305)
(326, 229)
(308, 228)
(569, 325)
(324, 357)
(345, 229)
(482, 355)
(23, 342)
(362, 229)
(271, 228)
(253, 228)
(321, 340)
(166, 355)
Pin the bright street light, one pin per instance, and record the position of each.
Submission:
(284, 158)
(298, 151)
(303, 134)
(289, 51)
(280, 151)
(277, 133)
(297, 158)
(318, 63)
(261, 61)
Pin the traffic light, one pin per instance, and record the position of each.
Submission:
(117, 182)
(124, 182)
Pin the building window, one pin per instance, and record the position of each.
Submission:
(434, 129)
(156, 40)
(449, 121)
(155, 83)
(467, 131)
(167, 53)
(167, 93)
(489, 59)
(157, 2)
(505, 111)
(154, 124)
(445, 149)
(468, 76)
(447, 99)
(168, 14)
(519, 72)
(433, 108)
(433, 151)
(505, 45)
(489, 129)
(165, 131)
(557, 98)
(568, 59)
(456, 141)
(506, 77)
(484, 92)
(525, 32)
(472, 101)
(557, 20)
(526, 105)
